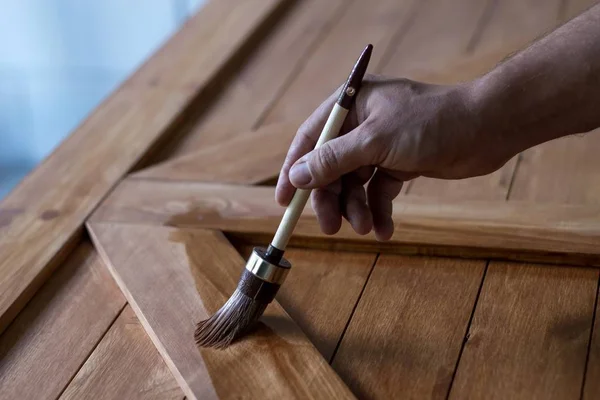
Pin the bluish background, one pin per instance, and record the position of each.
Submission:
(60, 58)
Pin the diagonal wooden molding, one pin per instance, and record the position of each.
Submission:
(41, 219)
(175, 277)
(251, 157)
(549, 233)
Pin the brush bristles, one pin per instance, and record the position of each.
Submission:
(236, 316)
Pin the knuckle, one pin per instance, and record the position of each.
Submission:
(327, 159)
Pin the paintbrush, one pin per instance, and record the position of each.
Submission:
(267, 269)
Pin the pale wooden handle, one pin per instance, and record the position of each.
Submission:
(294, 210)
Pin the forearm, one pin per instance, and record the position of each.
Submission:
(549, 90)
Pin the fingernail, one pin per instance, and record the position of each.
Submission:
(300, 175)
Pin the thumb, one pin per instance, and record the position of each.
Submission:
(330, 161)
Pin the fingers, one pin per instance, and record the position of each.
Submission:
(333, 159)
(382, 190)
(326, 204)
(354, 205)
(304, 141)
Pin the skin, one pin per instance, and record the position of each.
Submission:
(400, 129)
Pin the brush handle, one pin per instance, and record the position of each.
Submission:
(294, 210)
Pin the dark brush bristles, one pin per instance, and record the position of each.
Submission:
(238, 314)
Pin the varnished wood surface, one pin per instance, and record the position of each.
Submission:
(249, 158)
(406, 335)
(124, 365)
(321, 291)
(264, 76)
(55, 333)
(529, 335)
(427, 44)
(41, 218)
(525, 231)
(173, 278)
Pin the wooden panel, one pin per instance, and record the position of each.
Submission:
(321, 291)
(439, 35)
(561, 171)
(529, 334)
(519, 21)
(408, 328)
(54, 334)
(591, 386)
(552, 233)
(43, 215)
(264, 75)
(125, 365)
(362, 22)
(174, 278)
(572, 8)
(252, 157)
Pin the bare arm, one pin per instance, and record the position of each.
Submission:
(550, 89)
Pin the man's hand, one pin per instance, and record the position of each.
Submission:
(397, 130)
(400, 129)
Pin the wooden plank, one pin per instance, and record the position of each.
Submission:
(189, 274)
(237, 160)
(407, 331)
(378, 23)
(54, 334)
(561, 171)
(42, 217)
(125, 365)
(264, 75)
(573, 8)
(318, 280)
(321, 291)
(514, 230)
(513, 22)
(529, 334)
(591, 384)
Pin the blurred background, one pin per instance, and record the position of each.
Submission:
(61, 58)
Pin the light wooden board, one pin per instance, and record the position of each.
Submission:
(362, 22)
(250, 157)
(42, 217)
(523, 231)
(318, 280)
(125, 365)
(54, 334)
(591, 386)
(174, 278)
(529, 334)
(321, 291)
(573, 8)
(263, 76)
(561, 171)
(406, 334)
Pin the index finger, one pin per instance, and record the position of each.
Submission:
(304, 141)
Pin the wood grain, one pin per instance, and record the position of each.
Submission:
(529, 334)
(514, 230)
(406, 334)
(321, 291)
(250, 158)
(561, 171)
(125, 365)
(591, 386)
(41, 218)
(156, 268)
(361, 23)
(54, 334)
(264, 75)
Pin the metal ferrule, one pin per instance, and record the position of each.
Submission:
(261, 268)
